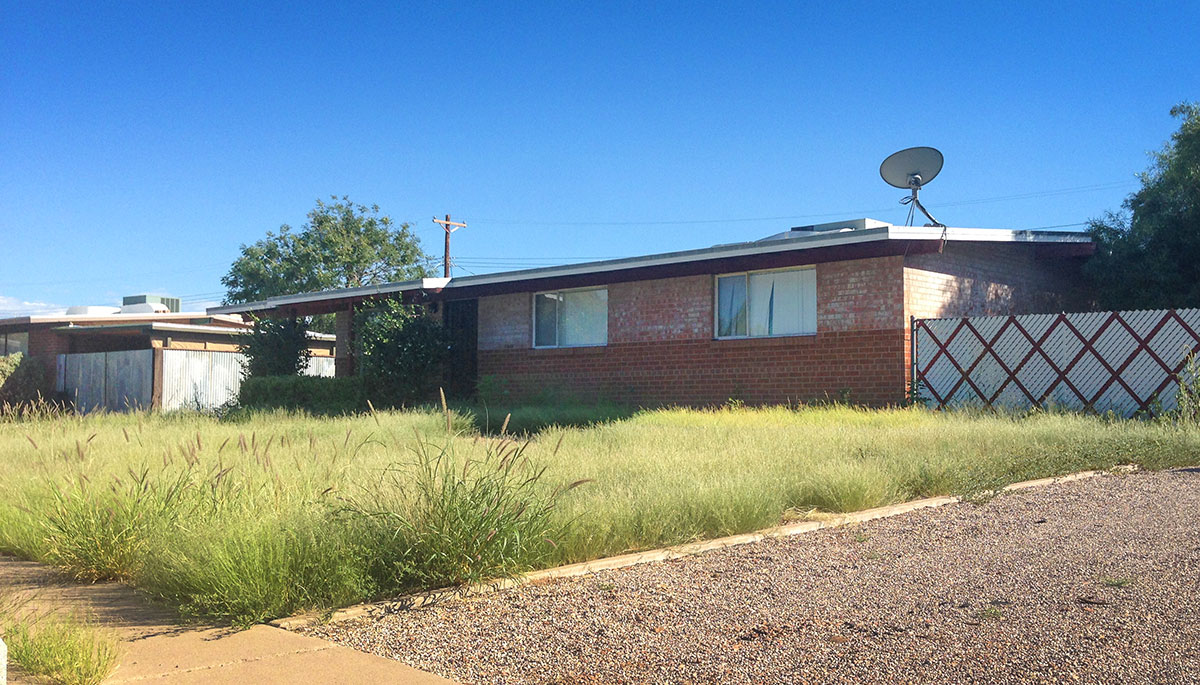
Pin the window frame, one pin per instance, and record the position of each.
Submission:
(716, 299)
(4, 336)
(559, 291)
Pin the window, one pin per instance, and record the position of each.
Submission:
(765, 303)
(570, 318)
(13, 343)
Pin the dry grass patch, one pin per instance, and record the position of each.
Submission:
(261, 515)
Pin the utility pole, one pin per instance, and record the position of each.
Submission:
(446, 226)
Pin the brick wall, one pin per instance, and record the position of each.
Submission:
(660, 333)
(866, 365)
(864, 294)
(986, 279)
(661, 310)
(46, 345)
(506, 321)
(661, 348)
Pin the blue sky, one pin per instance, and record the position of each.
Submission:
(142, 142)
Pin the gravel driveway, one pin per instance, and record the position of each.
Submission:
(1094, 581)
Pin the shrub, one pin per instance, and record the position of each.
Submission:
(22, 380)
(275, 347)
(314, 394)
(491, 389)
(400, 352)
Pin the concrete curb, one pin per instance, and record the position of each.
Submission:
(625, 560)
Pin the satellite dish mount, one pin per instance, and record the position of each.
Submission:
(912, 168)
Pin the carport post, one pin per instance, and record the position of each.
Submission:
(343, 351)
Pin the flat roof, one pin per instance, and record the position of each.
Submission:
(175, 328)
(80, 319)
(791, 241)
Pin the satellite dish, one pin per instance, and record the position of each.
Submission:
(912, 168)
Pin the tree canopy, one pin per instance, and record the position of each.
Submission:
(343, 245)
(400, 351)
(1148, 255)
(275, 347)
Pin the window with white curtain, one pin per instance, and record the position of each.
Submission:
(760, 304)
(570, 318)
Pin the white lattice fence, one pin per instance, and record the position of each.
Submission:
(1122, 362)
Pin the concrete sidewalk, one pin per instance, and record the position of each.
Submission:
(156, 647)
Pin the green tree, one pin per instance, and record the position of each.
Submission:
(1148, 255)
(343, 245)
(400, 351)
(275, 347)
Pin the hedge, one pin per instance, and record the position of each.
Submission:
(314, 394)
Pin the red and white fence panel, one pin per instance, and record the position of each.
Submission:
(1123, 362)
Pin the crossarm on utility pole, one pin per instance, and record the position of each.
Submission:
(446, 226)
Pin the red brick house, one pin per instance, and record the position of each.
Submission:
(817, 311)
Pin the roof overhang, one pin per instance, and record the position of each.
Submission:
(176, 328)
(84, 320)
(790, 249)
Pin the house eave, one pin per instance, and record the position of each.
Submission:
(821, 246)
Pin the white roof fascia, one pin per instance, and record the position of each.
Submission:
(299, 298)
(995, 235)
(805, 240)
(189, 328)
(143, 316)
(225, 330)
(157, 326)
(734, 250)
(238, 308)
(195, 328)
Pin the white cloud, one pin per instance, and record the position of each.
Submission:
(12, 306)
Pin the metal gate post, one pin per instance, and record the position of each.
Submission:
(912, 358)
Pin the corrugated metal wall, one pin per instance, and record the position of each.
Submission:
(192, 379)
(115, 381)
(203, 380)
(319, 366)
(1123, 362)
(199, 379)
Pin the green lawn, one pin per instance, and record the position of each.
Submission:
(263, 515)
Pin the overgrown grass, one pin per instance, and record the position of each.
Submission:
(64, 649)
(266, 514)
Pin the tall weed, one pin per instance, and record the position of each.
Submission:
(444, 520)
(62, 648)
(102, 533)
(253, 570)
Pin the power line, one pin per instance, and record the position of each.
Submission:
(501, 261)
(1112, 185)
